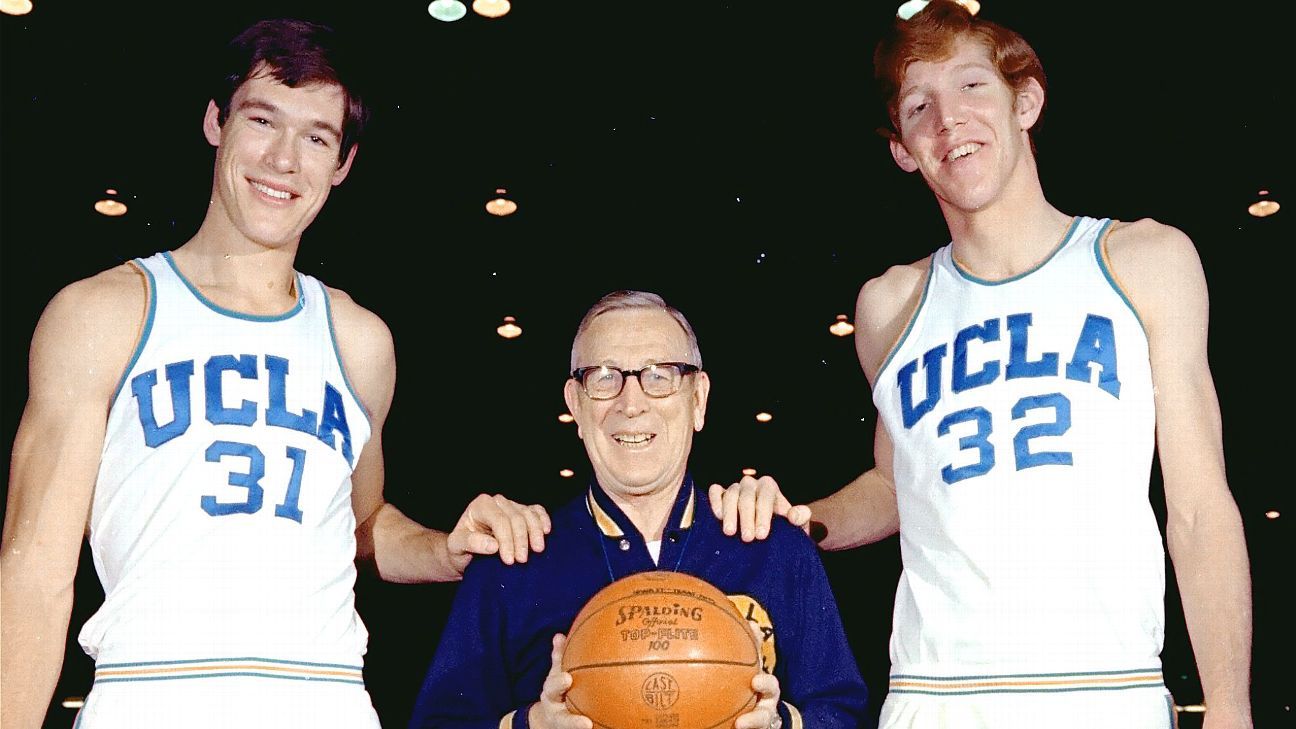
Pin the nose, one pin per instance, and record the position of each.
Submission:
(281, 155)
(632, 401)
(950, 112)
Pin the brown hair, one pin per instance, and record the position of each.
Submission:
(930, 36)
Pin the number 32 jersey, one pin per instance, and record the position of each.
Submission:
(1023, 422)
(222, 524)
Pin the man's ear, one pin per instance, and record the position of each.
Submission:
(1029, 103)
(345, 167)
(902, 156)
(571, 395)
(211, 124)
(701, 389)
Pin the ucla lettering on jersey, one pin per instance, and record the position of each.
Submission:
(221, 524)
(1022, 417)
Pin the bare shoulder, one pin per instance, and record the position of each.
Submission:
(92, 326)
(367, 350)
(883, 309)
(1157, 265)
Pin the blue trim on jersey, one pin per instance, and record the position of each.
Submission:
(301, 298)
(148, 328)
(1107, 274)
(931, 273)
(227, 660)
(328, 314)
(252, 674)
(993, 676)
(1075, 222)
(1066, 690)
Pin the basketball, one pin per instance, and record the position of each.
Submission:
(661, 649)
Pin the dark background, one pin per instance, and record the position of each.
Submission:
(720, 153)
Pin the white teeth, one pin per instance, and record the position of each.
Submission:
(962, 151)
(632, 438)
(271, 191)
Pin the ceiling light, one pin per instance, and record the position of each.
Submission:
(1263, 208)
(749, 472)
(566, 418)
(501, 206)
(763, 417)
(509, 329)
(566, 473)
(447, 10)
(491, 8)
(913, 7)
(1272, 514)
(841, 327)
(74, 702)
(109, 206)
(15, 7)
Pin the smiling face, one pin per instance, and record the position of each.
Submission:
(638, 445)
(964, 128)
(276, 157)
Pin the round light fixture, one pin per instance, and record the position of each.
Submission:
(841, 327)
(501, 206)
(447, 10)
(763, 417)
(749, 472)
(491, 8)
(509, 329)
(566, 418)
(15, 7)
(566, 473)
(1263, 208)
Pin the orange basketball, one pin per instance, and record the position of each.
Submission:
(660, 650)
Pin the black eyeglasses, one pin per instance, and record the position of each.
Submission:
(663, 379)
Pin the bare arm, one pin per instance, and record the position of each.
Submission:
(78, 353)
(402, 549)
(865, 510)
(1162, 273)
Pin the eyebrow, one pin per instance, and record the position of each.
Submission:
(271, 108)
(970, 65)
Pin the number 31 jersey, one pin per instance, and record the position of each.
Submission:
(1022, 416)
(222, 524)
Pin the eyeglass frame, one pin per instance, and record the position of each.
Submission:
(685, 369)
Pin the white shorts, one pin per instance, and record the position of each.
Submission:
(228, 702)
(1132, 709)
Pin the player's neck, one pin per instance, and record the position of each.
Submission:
(238, 274)
(1009, 237)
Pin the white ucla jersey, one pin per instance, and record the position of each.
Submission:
(1023, 421)
(221, 525)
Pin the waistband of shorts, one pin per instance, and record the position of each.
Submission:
(926, 683)
(188, 669)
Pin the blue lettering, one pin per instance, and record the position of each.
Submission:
(178, 375)
(217, 413)
(1096, 346)
(987, 332)
(277, 414)
(932, 364)
(334, 419)
(1018, 338)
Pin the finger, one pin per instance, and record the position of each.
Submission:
(731, 495)
(555, 687)
(716, 495)
(494, 521)
(758, 718)
(800, 517)
(544, 517)
(478, 543)
(766, 686)
(514, 519)
(535, 527)
(747, 509)
(766, 494)
(556, 654)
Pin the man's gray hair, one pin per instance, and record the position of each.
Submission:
(618, 300)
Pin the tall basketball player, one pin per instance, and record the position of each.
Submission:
(1023, 375)
(218, 418)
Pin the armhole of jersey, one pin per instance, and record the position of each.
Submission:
(931, 270)
(150, 309)
(1104, 265)
(337, 351)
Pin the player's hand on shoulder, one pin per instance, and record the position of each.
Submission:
(551, 711)
(765, 714)
(498, 525)
(748, 506)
